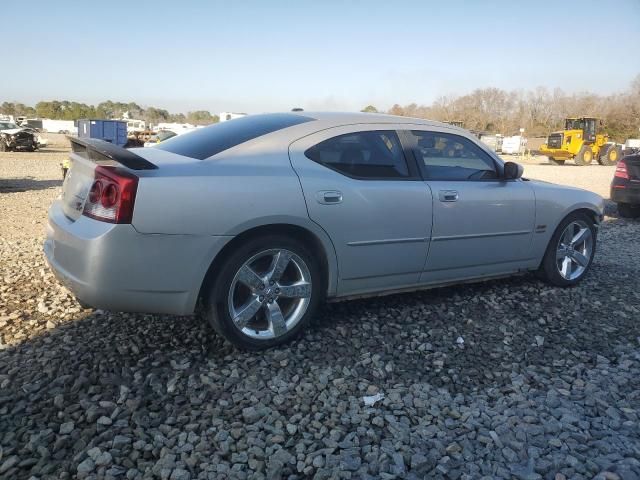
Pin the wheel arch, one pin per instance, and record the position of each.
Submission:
(549, 273)
(589, 210)
(320, 244)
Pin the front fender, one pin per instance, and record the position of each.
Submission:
(553, 204)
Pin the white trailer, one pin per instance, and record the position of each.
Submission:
(632, 143)
(135, 125)
(514, 145)
(175, 127)
(52, 126)
(494, 142)
(60, 126)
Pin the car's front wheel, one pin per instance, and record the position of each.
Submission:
(570, 252)
(266, 292)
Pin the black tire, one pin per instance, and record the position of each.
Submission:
(610, 156)
(549, 271)
(555, 161)
(216, 299)
(3, 146)
(627, 210)
(584, 156)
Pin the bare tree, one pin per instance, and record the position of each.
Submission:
(538, 111)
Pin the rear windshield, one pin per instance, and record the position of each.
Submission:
(206, 142)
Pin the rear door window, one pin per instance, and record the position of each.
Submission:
(208, 141)
(369, 155)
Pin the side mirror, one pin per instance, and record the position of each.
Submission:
(512, 171)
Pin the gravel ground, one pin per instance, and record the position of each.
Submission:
(506, 379)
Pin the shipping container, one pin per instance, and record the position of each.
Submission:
(113, 131)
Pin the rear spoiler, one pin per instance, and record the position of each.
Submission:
(100, 150)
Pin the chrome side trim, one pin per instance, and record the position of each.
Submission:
(387, 241)
(479, 235)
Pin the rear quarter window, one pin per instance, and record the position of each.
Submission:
(208, 141)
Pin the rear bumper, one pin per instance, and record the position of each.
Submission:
(630, 193)
(114, 267)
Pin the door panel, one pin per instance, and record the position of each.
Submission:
(380, 228)
(484, 224)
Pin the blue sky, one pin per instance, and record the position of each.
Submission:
(330, 55)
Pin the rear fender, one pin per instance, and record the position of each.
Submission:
(315, 229)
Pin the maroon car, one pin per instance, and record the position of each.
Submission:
(625, 187)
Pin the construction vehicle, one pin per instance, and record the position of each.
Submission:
(582, 141)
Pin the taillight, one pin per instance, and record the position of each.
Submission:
(111, 196)
(621, 170)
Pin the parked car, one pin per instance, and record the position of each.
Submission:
(161, 136)
(13, 137)
(40, 140)
(264, 217)
(625, 187)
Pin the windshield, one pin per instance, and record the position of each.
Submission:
(574, 124)
(7, 125)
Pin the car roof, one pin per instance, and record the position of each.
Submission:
(252, 132)
(347, 118)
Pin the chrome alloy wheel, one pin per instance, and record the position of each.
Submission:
(574, 250)
(269, 294)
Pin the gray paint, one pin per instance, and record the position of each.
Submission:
(378, 236)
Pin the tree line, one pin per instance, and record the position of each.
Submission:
(491, 110)
(66, 110)
(539, 111)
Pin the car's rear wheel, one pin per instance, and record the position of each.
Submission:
(570, 252)
(628, 211)
(266, 292)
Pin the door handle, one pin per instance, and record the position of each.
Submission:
(448, 195)
(329, 197)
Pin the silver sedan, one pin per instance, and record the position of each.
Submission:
(257, 220)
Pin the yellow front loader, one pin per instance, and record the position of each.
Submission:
(581, 142)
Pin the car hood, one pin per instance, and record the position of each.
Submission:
(569, 197)
(547, 184)
(12, 131)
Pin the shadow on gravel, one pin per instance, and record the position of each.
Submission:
(157, 368)
(414, 337)
(25, 184)
(611, 210)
